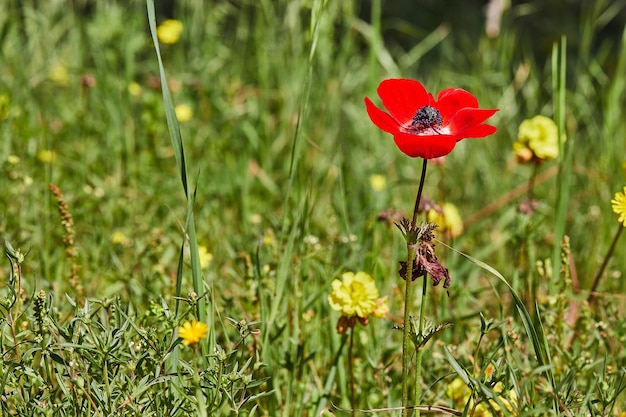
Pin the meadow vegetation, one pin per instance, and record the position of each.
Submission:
(118, 231)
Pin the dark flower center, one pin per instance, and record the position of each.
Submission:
(427, 117)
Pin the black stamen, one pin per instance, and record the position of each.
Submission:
(427, 117)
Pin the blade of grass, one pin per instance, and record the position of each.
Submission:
(535, 333)
(317, 12)
(190, 228)
(559, 60)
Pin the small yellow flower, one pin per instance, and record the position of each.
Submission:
(354, 295)
(47, 156)
(619, 206)
(119, 238)
(538, 135)
(461, 396)
(169, 31)
(13, 159)
(205, 256)
(269, 238)
(183, 113)
(458, 392)
(192, 332)
(449, 221)
(134, 89)
(378, 182)
(59, 75)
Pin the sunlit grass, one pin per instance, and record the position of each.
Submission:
(290, 177)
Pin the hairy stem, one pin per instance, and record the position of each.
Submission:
(411, 235)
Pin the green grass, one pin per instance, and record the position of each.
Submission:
(279, 155)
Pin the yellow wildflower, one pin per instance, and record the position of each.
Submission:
(354, 295)
(13, 159)
(449, 221)
(537, 139)
(192, 332)
(134, 89)
(169, 31)
(619, 206)
(59, 75)
(269, 238)
(205, 256)
(458, 392)
(461, 397)
(47, 156)
(183, 113)
(378, 182)
(119, 238)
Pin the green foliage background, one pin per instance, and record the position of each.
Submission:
(281, 152)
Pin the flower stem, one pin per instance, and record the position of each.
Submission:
(351, 372)
(419, 195)
(609, 254)
(406, 357)
(420, 350)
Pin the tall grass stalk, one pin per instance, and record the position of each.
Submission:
(566, 149)
(204, 306)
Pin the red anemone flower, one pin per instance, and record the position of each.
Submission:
(424, 127)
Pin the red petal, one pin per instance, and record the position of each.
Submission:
(452, 100)
(380, 118)
(468, 118)
(425, 146)
(479, 131)
(403, 98)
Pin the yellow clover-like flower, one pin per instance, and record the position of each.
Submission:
(184, 113)
(538, 139)
(119, 238)
(59, 75)
(487, 409)
(47, 156)
(458, 392)
(134, 89)
(448, 221)
(169, 31)
(13, 159)
(354, 295)
(192, 332)
(378, 182)
(206, 257)
(461, 397)
(619, 206)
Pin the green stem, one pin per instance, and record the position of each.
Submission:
(419, 195)
(609, 254)
(411, 241)
(420, 350)
(406, 357)
(351, 372)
